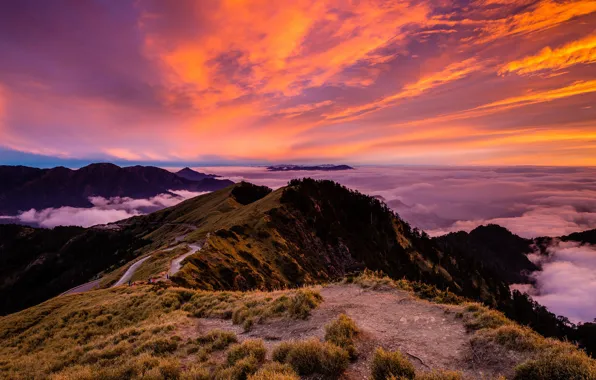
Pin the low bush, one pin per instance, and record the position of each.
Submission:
(240, 370)
(481, 317)
(217, 339)
(342, 332)
(303, 302)
(313, 357)
(440, 375)
(386, 364)
(574, 365)
(249, 348)
(274, 371)
(513, 337)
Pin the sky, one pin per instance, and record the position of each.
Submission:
(485, 82)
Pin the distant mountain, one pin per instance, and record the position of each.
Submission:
(328, 168)
(193, 175)
(496, 247)
(23, 188)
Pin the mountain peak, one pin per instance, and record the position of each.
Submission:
(193, 175)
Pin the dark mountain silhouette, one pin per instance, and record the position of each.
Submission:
(496, 248)
(193, 175)
(584, 237)
(23, 188)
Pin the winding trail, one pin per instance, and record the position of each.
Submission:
(82, 288)
(176, 264)
(130, 272)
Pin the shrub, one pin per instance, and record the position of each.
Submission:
(252, 347)
(440, 375)
(280, 353)
(239, 370)
(554, 366)
(159, 346)
(341, 332)
(275, 371)
(515, 337)
(196, 373)
(303, 302)
(485, 318)
(218, 339)
(313, 356)
(386, 364)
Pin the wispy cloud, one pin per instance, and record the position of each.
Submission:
(582, 51)
(104, 210)
(266, 81)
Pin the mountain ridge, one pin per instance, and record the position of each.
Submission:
(24, 188)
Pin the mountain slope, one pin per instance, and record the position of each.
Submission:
(496, 247)
(25, 188)
(37, 264)
(310, 232)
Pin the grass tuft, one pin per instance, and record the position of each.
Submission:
(342, 332)
(386, 364)
(574, 365)
(313, 357)
(252, 347)
(274, 371)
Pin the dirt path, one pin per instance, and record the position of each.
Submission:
(83, 288)
(176, 264)
(130, 272)
(429, 334)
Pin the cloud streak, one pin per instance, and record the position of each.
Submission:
(103, 211)
(311, 80)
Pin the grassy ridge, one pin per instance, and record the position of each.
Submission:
(128, 332)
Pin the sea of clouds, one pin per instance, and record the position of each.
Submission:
(529, 201)
(104, 210)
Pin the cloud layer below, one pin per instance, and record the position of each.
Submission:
(103, 211)
(530, 201)
(567, 282)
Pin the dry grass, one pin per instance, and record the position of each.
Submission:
(342, 332)
(275, 371)
(313, 357)
(247, 308)
(386, 364)
(131, 332)
(573, 365)
(376, 280)
(551, 359)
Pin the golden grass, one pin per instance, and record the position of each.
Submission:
(342, 332)
(133, 332)
(376, 280)
(312, 356)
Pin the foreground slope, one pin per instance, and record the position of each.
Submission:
(334, 331)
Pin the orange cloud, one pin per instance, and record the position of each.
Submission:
(452, 72)
(577, 52)
(543, 15)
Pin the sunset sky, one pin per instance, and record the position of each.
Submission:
(485, 82)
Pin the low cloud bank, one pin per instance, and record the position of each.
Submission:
(530, 201)
(104, 210)
(566, 283)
